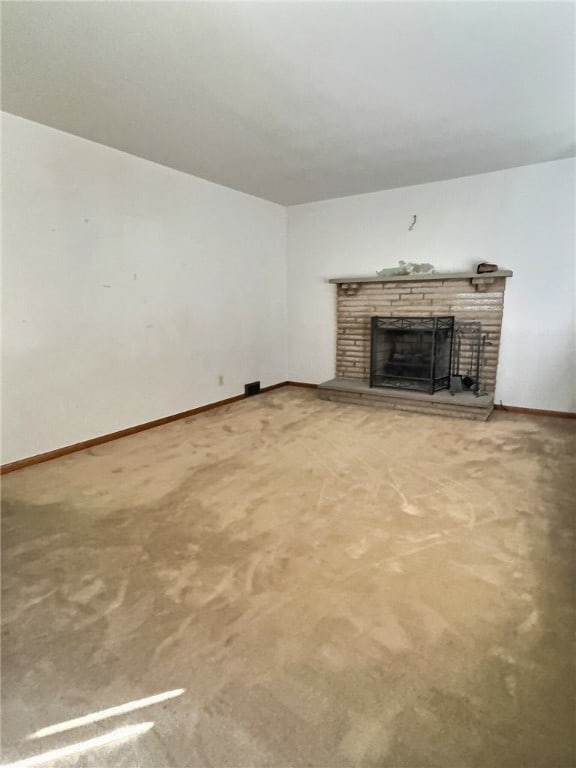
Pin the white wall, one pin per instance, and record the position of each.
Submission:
(522, 219)
(128, 289)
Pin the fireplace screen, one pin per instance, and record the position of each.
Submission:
(411, 352)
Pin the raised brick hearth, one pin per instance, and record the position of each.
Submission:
(467, 296)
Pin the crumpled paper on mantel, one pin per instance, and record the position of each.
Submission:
(407, 268)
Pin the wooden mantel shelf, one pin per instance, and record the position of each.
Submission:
(423, 276)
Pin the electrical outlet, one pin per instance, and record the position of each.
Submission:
(220, 380)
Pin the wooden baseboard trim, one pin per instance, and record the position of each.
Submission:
(274, 386)
(82, 446)
(535, 411)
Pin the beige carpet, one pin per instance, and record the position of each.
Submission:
(331, 585)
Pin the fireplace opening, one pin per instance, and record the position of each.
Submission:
(411, 352)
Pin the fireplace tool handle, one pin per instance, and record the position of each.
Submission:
(480, 363)
(477, 385)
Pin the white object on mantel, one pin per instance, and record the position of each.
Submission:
(484, 276)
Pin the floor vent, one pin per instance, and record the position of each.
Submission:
(252, 389)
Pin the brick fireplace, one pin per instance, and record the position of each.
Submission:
(476, 303)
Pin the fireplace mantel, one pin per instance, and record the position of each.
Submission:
(422, 276)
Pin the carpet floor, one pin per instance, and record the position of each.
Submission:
(306, 583)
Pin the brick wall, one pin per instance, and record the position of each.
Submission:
(468, 301)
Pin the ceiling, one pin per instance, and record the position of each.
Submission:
(296, 102)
